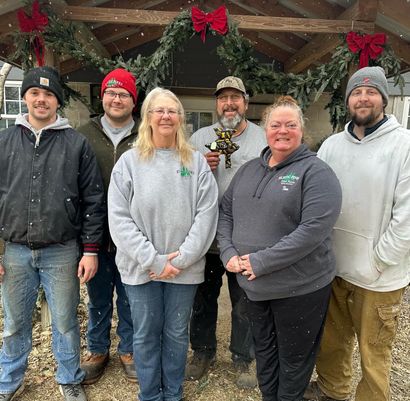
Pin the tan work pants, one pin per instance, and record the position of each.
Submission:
(372, 317)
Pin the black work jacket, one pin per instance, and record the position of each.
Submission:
(50, 192)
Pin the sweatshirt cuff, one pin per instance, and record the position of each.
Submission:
(178, 262)
(257, 266)
(91, 248)
(158, 264)
(228, 254)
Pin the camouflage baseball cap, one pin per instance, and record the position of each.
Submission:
(232, 83)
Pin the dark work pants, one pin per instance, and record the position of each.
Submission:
(205, 313)
(286, 335)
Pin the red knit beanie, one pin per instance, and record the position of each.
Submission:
(120, 78)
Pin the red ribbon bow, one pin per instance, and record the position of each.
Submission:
(36, 23)
(368, 46)
(216, 20)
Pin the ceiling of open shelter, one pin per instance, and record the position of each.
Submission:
(298, 34)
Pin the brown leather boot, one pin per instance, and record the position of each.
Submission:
(315, 393)
(127, 363)
(93, 366)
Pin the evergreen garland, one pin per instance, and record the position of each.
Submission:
(236, 51)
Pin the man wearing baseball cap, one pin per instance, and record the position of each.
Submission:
(110, 135)
(231, 105)
(371, 158)
(51, 217)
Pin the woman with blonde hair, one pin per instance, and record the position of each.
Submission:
(163, 206)
(274, 231)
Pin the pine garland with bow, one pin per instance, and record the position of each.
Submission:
(238, 55)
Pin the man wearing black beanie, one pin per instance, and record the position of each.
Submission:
(52, 213)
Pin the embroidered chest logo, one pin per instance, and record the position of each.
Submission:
(288, 180)
(185, 172)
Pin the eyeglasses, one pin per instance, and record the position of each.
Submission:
(160, 111)
(121, 96)
(225, 98)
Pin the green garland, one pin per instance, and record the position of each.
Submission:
(236, 51)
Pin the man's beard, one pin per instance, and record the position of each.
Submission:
(366, 121)
(232, 122)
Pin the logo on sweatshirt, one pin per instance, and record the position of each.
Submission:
(185, 172)
(288, 180)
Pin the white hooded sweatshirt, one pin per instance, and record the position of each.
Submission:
(372, 234)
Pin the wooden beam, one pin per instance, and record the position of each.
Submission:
(11, 5)
(401, 47)
(245, 22)
(322, 44)
(135, 40)
(397, 10)
(286, 41)
(108, 33)
(318, 47)
(120, 38)
(118, 46)
(85, 35)
(267, 48)
(315, 9)
(365, 10)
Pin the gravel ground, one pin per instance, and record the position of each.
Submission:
(219, 385)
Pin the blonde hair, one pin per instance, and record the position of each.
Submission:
(283, 101)
(144, 142)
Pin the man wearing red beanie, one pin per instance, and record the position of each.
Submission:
(110, 135)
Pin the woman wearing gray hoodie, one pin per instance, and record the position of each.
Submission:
(274, 230)
(163, 206)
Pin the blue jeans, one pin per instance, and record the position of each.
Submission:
(100, 308)
(160, 313)
(55, 268)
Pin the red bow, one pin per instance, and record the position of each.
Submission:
(36, 23)
(216, 20)
(368, 46)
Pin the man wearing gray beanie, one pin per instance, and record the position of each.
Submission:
(52, 214)
(371, 158)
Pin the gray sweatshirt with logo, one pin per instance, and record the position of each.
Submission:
(156, 207)
(283, 217)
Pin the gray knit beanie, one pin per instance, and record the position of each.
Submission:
(45, 78)
(369, 76)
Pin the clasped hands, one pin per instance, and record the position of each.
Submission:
(242, 265)
(169, 270)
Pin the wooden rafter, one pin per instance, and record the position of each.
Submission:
(317, 9)
(401, 48)
(397, 10)
(85, 35)
(245, 22)
(320, 45)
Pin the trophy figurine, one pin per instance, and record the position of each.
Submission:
(223, 144)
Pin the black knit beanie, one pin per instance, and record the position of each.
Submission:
(45, 78)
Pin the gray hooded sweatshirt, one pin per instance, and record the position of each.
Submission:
(156, 207)
(283, 217)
